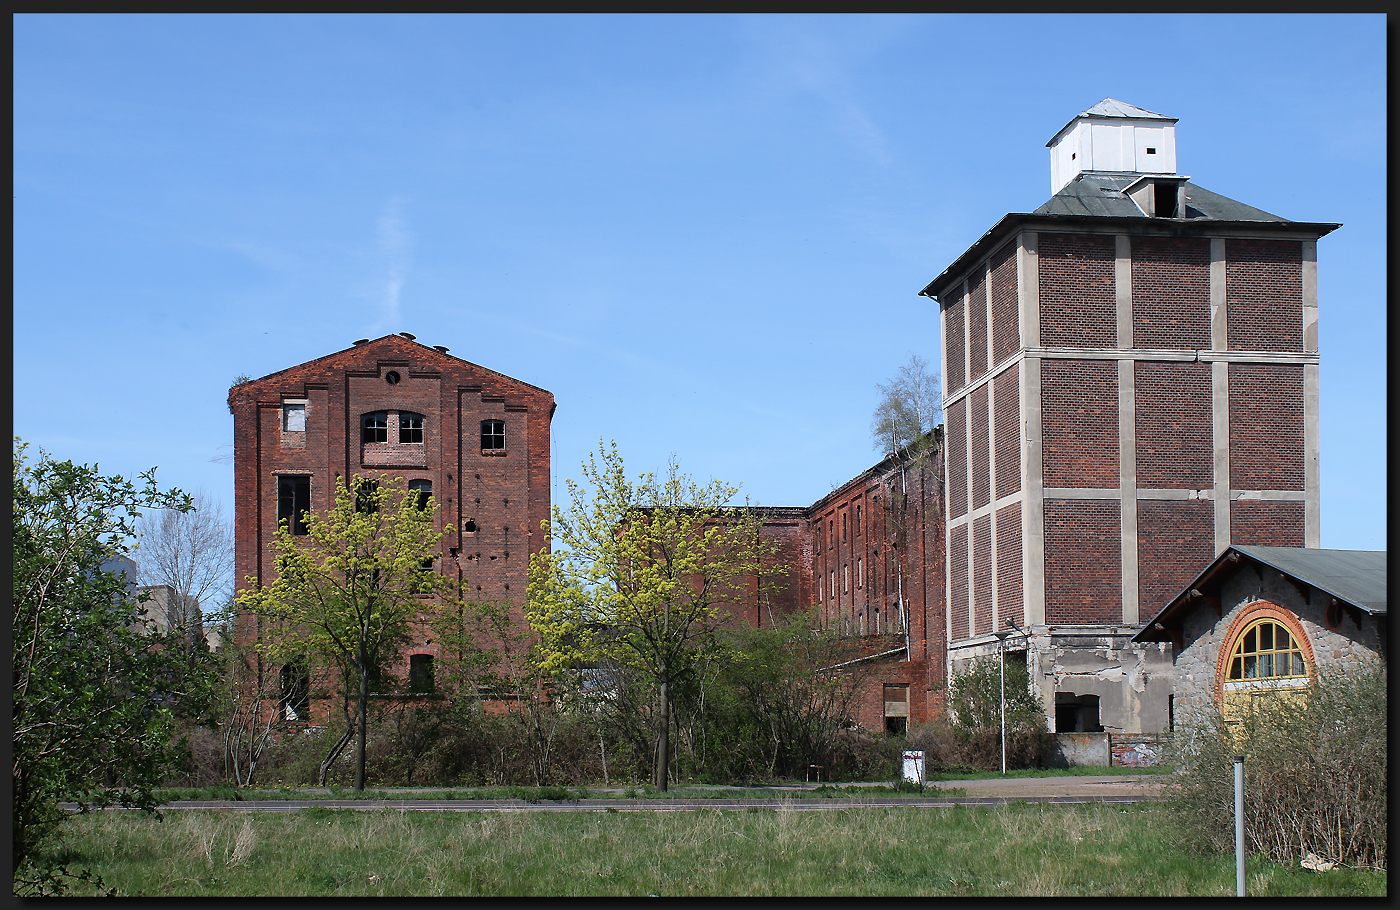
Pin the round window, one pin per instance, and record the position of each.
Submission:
(391, 377)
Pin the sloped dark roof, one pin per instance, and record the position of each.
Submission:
(1356, 577)
(1101, 194)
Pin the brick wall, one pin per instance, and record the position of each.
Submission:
(1176, 540)
(1083, 553)
(1077, 305)
(1266, 426)
(982, 574)
(1006, 331)
(1171, 292)
(953, 341)
(1007, 430)
(1010, 599)
(981, 449)
(1261, 523)
(977, 325)
(1175, 448)
(1264, 295)
(1079, 423)
(955, 420)
(957, 577)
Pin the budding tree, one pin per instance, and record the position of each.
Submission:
(192, 552)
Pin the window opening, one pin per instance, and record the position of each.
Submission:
(1267, 650)
(1151, 151)
(469, 527)
(857, 521)
(366, 498)
(843, 525)
(860, 573)
(424, 489)
(1166, 200)
(294, 418)
(296, 691)
(293, 502)
(376, 427)
(392, 377)
(420, 674)
(1077, 713)
(410, 427)
(493, 434)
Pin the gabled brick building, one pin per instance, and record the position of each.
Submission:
(1130, 386)
(477, 440)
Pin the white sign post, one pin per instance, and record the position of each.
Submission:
(914, 766)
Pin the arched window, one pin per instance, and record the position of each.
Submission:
(410, 427)
(376, 426)
(1265, 653)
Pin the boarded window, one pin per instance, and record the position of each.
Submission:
(293, 502)
(294, 418)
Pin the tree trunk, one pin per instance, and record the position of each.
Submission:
(332, 755)
(361, 711)
(663, 743)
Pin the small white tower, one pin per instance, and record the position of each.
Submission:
(1113, 136)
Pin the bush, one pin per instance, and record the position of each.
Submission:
(1315, 774)
(974, 717)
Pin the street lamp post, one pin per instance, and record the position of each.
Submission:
(1001, 652)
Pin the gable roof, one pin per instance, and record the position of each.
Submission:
(1356, 577)
(387, 347)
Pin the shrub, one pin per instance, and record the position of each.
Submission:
(1315, 774)
(974, 716)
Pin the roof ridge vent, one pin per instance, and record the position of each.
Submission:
(408, 336)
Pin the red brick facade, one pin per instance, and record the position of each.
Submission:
(1176, 539)
(1266, 426)
(1007, 430)
(1077, 291)
(1171, 292)
(1172, 417)
(977, 325)
(1079, 422)
(1264, 295)
(1266, 524)
(1083, 552)
(1006, 315)
(494, 499)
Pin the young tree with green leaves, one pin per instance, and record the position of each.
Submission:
(352, 589)
(646, 573)
(95, 689)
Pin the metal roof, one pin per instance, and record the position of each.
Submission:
(1101, 193)
(1357, 577)
(1110, 108)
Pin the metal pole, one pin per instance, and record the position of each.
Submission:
(1001, 649)
(1239, 826)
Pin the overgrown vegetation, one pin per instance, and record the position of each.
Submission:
(968, 734)
(1017, 850)
(1315, 773)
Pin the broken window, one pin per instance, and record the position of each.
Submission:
(493, 434)
(843, 525)
(376, 427)
(366, 495)
(469, 527)
(410, 427)
(896, 709)
(857, 521)
(296, 691)
(424, 489)
(294, 418)
(1077, 713)
(420, 674)
(293, 502)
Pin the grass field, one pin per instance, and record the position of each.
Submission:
(1020, 849)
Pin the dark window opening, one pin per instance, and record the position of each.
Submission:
(857, 521)
(1151, 151)
(493, 434)
(410, 427)
(1166, 200)
(896, 726)
(293, 502)
(366, 495)
(843, 525)
(392, 377)
(296, 692)
(376, 427)
(1077, 713)
(469, 527)
(424, 489)
(420, 674)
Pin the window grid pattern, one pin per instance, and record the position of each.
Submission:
(1267, 650)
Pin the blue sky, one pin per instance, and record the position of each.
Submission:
(704, 234)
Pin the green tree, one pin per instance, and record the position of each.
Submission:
(644, 577)
(974, 703)
(352, 590)
(95, 690)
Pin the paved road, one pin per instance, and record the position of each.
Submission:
(993, 792)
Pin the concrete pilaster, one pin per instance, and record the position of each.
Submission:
(1033, 502)
(1220, 435)
(1127, 484)
(1310, 296)
(1123, 289)
(1218, 324)
(1028, 289)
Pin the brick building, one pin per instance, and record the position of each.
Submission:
(869, 556)
(1130, 386)
(477, 440)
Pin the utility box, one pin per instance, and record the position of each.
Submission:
(914, 766)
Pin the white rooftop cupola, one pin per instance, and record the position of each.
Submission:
(1115, 137)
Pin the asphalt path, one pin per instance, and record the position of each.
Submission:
(1117, 789)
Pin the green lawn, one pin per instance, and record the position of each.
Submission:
(1021, 849)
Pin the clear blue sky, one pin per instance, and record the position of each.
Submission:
(704, 234)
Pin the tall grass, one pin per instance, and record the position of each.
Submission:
(1315, 774)
(1018, 850)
